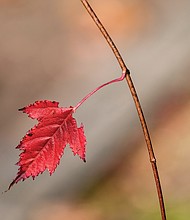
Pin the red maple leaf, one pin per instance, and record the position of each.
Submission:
(44, 144)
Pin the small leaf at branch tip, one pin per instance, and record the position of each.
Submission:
(43, 145)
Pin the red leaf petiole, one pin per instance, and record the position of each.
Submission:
(122, 77)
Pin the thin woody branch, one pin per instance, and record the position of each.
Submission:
(107, 36)
(137, 104)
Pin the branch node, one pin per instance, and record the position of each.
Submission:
(126, 71)
(153, 160)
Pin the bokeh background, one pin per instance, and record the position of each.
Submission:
(52, 50)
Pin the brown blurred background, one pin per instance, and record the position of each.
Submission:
(52, 50)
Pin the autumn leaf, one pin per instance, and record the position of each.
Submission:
(44, 144)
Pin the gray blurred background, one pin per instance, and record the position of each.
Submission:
(52, 50)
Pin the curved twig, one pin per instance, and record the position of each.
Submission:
(136, 101)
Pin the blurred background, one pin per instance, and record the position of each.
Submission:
(52, 50)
